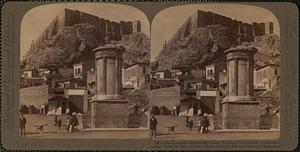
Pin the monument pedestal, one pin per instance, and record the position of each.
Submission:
(108, 107)
(240, 113)
(107, 113)
(239, 108)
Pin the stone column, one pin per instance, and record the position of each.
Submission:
(119, 74)
(111, 76)
(239, 108)
(108, 108)
(232, 69)
(250, 84)
(101, 76)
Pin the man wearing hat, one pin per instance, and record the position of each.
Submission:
(22, 125)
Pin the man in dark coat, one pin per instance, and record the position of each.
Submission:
(153, 123)
(73, 123)
(201, 123)
(206, 124)
(22, 125)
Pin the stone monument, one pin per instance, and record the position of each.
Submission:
(108, 107)
(239, 107)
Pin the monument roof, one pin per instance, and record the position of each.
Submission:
(109, 46)
(243, 47)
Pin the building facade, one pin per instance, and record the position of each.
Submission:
(81, 69)
(136, 75)
(267, 77)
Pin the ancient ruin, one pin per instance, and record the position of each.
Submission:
(245, 31)
(108, 107)
(239, 108)
(71, 17)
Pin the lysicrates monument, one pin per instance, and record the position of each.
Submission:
(108, 107)
(239, 107)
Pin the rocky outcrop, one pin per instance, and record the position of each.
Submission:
(73, 44)
(205, 36)
(202, 45)
(137, 47)
(268, 50)
(244, 31)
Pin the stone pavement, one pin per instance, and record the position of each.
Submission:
(142, 134)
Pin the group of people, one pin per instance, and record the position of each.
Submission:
(203, 123)
(72, 122)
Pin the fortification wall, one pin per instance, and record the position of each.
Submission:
(242, 31)
(136, 26)
(69, 17)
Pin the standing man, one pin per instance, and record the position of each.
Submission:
(206, 123)
(73, 123)
(22, 125)
(55, 120)
(153, 123)
(174, 110)
(200, 123)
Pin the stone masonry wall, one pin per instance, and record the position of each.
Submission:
(245, 31)
(71, 17)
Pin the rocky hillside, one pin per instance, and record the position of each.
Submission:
(75, 43)
(137, 48)
(268, 50)
(202, 45)
(207, 44)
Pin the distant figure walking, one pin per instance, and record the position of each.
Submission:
(187, 120)
(68, 123)
(73, 123)
(22, 125)
(55, 120)
(201, 123)
(59, 123)
(191, 124)
(153, 123)
(206, 124)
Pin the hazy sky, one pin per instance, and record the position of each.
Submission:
(167, 22)
(37, 19)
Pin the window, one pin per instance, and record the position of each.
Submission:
(144, 70)
(275, 71)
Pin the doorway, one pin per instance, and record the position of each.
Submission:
(195, 107)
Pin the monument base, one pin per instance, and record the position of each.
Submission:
(240, 114)
(109, 113)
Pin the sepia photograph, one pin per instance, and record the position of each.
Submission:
(215, 72)
(84, 72)
(149, 76)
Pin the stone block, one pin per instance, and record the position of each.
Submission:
(109, 113)
(240, 115)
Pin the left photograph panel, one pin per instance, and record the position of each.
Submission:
(84, 71)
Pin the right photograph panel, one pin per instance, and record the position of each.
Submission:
(215, 70)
